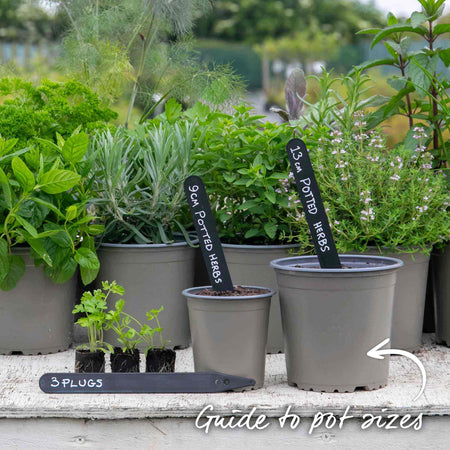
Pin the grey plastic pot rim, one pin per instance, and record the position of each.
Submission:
(380, 263)
(191, 293)
(174, 244)
(258, 247)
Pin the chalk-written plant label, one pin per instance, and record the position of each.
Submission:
(313, 207)
(209, 241)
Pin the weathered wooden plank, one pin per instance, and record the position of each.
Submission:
(20, 396)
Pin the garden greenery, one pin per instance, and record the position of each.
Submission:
(374, 196)
(43, 207)
(29, 113)
(242, 159)
(138, 179)
(422, 82)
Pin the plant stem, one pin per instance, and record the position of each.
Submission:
(408, 97)
(145, 45)
(434, 94)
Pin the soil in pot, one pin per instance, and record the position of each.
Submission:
(124, 362)
(239, 291)
(89, 362)
(160, 360)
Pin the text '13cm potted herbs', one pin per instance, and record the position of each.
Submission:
(334, 308)
(228, 323)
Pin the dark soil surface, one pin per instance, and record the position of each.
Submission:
(239, 291)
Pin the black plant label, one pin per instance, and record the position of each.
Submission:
(313, 207)
(209, 241)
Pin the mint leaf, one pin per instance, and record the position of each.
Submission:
(87, 258)
(14, 274)
(23, 174)
(57, 180)
(75, 147)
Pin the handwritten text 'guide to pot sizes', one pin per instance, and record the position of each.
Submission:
(207, 420)
(313, 207)
(208, 237)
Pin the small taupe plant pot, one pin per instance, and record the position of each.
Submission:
(333, 317)
(251, 264)
(229, 334)
(152, 275)
(441, 290)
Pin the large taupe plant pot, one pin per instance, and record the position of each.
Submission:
(229, 333)
(36, 316)
(409, 299)
(152, 275)
(251, 264)
(333, 317)
(441, 292)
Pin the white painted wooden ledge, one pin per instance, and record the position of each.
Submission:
(21, 398)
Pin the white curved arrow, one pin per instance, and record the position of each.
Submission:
(377, 353)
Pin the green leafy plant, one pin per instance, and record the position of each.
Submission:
(94, 305)
(29, 112)
(148, 334)
(138, 179)
(121, 323)
(44, 207)
(374, 197)
(421, 88)
(242, 159)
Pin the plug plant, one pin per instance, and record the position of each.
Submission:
(153, 336)
(94, 305)
(44, 207)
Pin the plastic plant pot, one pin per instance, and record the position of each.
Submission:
(333, 317)
(152, 275)
(229, 333)
(441, 290)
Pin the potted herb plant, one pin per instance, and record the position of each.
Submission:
(125, 358)
(380, 201)
(138, 184)
(90, 357)
(46, 234)
(242, 160)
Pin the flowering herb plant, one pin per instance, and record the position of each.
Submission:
(375, 197)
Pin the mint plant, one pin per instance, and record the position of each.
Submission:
(44, 207)
(94, 305)
(421, 88)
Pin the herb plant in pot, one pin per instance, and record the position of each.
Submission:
(243, 159)
(334, 308)
(380, 201)
(228, 323)
(90, 357)
(138, 179)
(46, 235)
